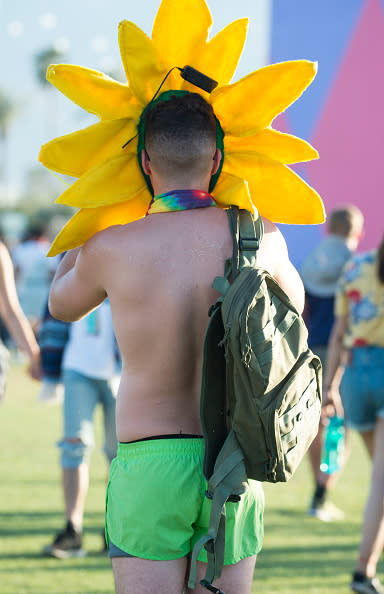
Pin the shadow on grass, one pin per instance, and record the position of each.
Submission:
(24, 523)
(305, 569)
(311, 554)
(308, 563)
(312, 528)
(92, 560)
(305, 557)
(43, 480)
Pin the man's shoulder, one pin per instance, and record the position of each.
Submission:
(111, 236)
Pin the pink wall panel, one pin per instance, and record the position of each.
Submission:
(350, 130)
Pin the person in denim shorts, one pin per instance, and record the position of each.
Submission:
(320, 273)
(359, 333)
(90, 377)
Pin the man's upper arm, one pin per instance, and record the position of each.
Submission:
(289, 280)
(78, 290)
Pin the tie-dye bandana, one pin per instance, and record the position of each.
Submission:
(180, 200)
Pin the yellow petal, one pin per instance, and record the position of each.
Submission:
(276, 145)
(231, 190)
(219, 57)
(249, 105)
(277, 192)
(116, 180)
(180, 28)
(142, 65)
(89, 221)
(94, 91)
(75, 153)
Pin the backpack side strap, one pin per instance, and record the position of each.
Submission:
(227, 483)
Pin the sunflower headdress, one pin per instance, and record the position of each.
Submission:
(111, 189)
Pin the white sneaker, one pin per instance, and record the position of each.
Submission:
(326, 512)
(51, 393)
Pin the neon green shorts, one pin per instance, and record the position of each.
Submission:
(156, 505)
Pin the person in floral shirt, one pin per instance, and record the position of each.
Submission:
(357, 338)
(360, 296)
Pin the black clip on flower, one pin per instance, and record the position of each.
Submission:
(191, 75)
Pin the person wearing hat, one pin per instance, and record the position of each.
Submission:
(320, 273)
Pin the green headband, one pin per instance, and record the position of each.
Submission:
(166, 96)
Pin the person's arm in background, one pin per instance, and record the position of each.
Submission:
(333, 368)
(13, 316)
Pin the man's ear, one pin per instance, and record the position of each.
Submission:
(216, 161)
(145, 162)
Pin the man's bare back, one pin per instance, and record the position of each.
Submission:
(157, 273)
(160, 299)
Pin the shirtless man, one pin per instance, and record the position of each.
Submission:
(157, 273)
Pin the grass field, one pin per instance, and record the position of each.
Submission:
(300, 554)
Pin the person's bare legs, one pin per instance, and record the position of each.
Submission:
(372, 541)
(323, 481)
(142, 576)
(368, 439)
(75, 487)
(314, 453)
(235, 579)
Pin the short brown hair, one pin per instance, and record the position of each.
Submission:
(181, 133)
(345, 221)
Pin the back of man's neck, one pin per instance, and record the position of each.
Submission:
(174, 185)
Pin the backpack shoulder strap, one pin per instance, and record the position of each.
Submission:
(247, 234)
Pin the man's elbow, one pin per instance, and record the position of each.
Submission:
(58, 308)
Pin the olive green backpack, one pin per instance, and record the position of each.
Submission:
(261, 387)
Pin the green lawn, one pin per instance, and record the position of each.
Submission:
(300, 554)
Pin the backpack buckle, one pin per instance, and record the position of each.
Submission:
(234, 498)
(249, 244)
(211, 588)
